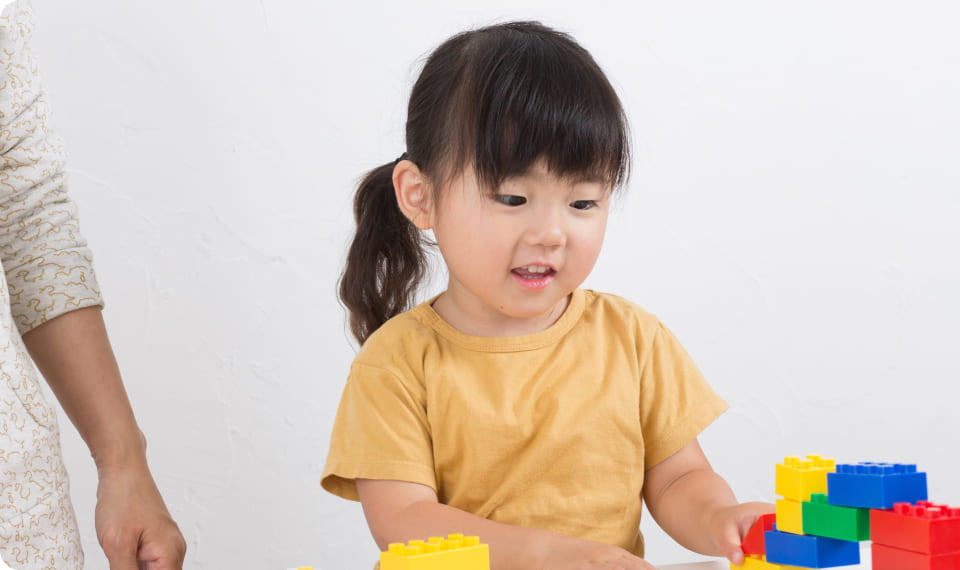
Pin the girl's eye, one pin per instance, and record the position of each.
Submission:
(584, 204)
(508, 200)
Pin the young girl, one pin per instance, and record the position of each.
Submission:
(515, 405)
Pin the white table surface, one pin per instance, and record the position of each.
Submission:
(721, 564)
(724, 565)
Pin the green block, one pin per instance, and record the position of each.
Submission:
(844, 523)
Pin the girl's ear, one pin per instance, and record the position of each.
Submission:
(413, 196)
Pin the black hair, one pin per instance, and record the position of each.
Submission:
(497, 99)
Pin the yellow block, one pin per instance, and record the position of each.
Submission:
(456, 551)
(753, 562)
(789, 516)
(798, 478)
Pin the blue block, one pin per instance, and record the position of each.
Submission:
(810, 551)
(875, 485)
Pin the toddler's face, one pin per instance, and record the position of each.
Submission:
(516, 255)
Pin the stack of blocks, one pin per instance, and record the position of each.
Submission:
(827, 509)
(923, 535)
(455, 552)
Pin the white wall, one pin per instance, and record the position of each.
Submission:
(792, 216)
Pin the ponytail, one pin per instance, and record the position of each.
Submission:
(386, 261)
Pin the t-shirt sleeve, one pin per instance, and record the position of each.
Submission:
(46, 261)
(381, 432)
(676, 403)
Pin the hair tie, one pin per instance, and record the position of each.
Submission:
(402, 157)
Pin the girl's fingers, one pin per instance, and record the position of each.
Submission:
(730, 543)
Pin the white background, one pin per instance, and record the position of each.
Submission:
(792, 217)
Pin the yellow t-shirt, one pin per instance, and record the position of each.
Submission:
(551, 430)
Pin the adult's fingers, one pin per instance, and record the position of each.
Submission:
(120, 547)
(166, 554)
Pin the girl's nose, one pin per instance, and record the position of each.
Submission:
(547, 230)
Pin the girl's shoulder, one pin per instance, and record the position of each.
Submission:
(627, 321)
(619, 310)
(403, 337)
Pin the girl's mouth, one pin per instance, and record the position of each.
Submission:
(534, 276)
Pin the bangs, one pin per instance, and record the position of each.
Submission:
(535, 97)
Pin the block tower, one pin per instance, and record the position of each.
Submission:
(826, 509)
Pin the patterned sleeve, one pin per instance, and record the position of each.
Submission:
(46, 262)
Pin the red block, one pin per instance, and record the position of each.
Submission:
(753, 543)
(890, 558)
(923, 527)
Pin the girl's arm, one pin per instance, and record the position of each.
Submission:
(696, 507)
(399, 511)
(74, 355)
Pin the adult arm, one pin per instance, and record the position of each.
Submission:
(55, 303)
(73, 353)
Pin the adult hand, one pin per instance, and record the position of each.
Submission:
(133, 524)
(728, 527)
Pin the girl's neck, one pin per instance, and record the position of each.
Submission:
(477, 319)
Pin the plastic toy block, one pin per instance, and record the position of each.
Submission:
(891, 558)
(456, 551)
(844, 523)
(789, 516)
(759, 563)
(753, 542)
(876, 485)
(924, 527)
(810, 551)
(797, 479)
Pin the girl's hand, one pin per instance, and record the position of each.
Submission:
(568, 553)
(133, 524)
(729, 525)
